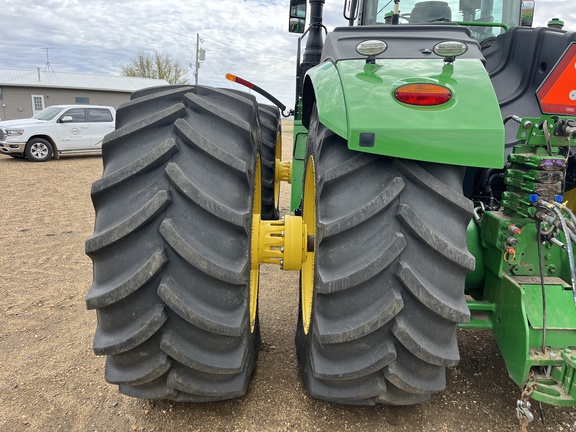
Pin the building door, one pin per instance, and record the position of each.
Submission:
(37, 104)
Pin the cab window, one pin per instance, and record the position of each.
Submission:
(99, 115)
(78, 115)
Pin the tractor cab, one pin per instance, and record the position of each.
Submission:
(485, 18)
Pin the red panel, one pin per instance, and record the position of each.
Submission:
(557, 94)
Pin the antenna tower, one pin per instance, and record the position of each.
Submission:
(48, 66)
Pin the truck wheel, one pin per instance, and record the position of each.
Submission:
(380, 304)
(39, 150)
(271, 150)
(171, 246)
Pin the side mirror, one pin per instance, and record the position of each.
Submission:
(527, 13)
(66, 119)
(297, 16)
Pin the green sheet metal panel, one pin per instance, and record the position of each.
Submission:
(355, 98)
(560, 310)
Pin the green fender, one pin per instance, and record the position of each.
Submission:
(355, 98)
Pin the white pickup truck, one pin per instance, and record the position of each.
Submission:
(57, 129)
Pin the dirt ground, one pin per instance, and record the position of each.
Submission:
(50, 380)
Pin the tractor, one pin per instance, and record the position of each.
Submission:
(432, 188)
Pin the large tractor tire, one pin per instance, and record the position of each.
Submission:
(271, 150)
(171, 245)
(380, 304)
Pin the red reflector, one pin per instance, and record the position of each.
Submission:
(423, 94)
(557, 94)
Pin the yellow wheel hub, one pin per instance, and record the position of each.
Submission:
(287, 242)
(282, 170)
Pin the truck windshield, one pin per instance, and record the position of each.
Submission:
(47, 114)
(418, 12)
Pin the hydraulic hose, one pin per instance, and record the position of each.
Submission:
(543, 285)
(569, 249)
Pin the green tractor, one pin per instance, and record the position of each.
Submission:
(432, 163)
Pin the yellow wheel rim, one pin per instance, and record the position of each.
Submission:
(570, 199)
(254, 262)
(309, 218)
(278, 158)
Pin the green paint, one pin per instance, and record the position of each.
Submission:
(510, 304)
(466, 131)
(298, 160)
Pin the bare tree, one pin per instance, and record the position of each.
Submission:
(159, 66)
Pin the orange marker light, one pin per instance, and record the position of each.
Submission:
(423, 94)
(240, 81)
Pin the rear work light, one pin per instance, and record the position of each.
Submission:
(423, 94)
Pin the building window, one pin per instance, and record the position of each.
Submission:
(82, 100)
(1, 94)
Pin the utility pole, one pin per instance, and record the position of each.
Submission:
(200, 56)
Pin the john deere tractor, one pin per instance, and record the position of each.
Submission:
(432, 188)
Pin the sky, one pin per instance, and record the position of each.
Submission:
(247, 38)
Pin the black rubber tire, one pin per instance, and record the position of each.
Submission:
(271, 128)
(391, 260)
(39, 150)
(171, 245)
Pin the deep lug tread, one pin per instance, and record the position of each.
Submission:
(424, 346)
(138, 366)
(419, 175)
(204, 104)
(204, 200)
(428, 236)
(229, 322)
(270, 126)
(205, 384)
(331, 362)
(407, 373)
(200, 354)
(395, 396)
(152, 390)
(377, 275)
(155, 157)
(100, 296)
(162, 118)
(349, 166)
(345, 277)
(193, 139)
(359, 215)
(126, 338)
(228, 272)
(359, 321)
(453, 308)
(347, 391)
(129, 225)
(162, 278)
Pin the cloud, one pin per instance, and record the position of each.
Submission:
(247, 38)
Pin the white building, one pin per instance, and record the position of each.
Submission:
(25, 92)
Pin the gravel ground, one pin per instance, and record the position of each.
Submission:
(51, 381)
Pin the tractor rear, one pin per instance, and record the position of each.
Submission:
(432, 164)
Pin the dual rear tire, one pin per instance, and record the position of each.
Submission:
(388, 283)
(172, 267)
(171, 245)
